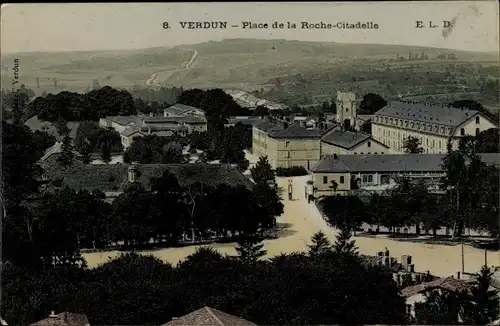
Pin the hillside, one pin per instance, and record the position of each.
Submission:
(242, 63)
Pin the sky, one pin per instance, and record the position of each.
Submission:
(101, 26)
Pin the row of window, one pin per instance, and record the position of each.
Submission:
(415, 125)
(325, 179)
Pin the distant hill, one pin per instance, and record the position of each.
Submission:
(239, 63)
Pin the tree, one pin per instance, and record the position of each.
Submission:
(67, 155)
(412, 145)
(343, 244)
(371, 103)
(249, 248)
(62, 127)
(105, 153)
(366, 127)
(262, 171)
(86, 150)
(439, 309)
(483, 305)
(261, 111)
(320, 244)
(487, 141)
(475, 106)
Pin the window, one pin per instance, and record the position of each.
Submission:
(462, 132)
(288, 154)
(439, 144)
(355, 153)
(433, 143)
(477, 120)
(406, 124)
(342, 179)
(325, 180)
(369, 144)
(361, 153)
(287, 144)
(477, 131)
(381, 152)
(365, 178)
(368, 153)
(370, 178)
(376, 153)
(427, 141)
(386, 119)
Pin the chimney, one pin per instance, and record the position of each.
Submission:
(458, 275)
(411, 268)
(132, 173)
(165, 113)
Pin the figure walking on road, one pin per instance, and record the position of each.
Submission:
(290, 189)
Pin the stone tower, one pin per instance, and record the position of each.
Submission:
(346, 107)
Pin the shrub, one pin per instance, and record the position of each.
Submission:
(293, 171)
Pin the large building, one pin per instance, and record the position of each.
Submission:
(372, 172)
(339, 141)
(178, 119)
(285, 144)
(433, 125)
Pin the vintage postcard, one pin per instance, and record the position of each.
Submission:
(250, 163)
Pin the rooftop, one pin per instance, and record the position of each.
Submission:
(428, 113)
(389, 163)
(277, 130)
(344, 139)
(114, 177)
(209, 316)
(450, 284)
(64, 318)
(179, 109)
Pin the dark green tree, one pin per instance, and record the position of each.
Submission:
(250, 247)
(105, 153)
(344, 245)
(412, 145)
(320, 244)
(67, 155)
(86, 150)
(262, 171)
(483, 305)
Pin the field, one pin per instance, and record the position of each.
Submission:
(247, 64)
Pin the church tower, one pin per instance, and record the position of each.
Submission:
(346, 107)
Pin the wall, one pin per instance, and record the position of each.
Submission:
(297, 152)
(394, 138)
(324, 188)
(362, 148)
(471, 125)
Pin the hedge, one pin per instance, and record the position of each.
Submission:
(293, 171)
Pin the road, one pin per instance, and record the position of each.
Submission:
(152, 80)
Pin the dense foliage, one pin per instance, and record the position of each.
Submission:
(70, 106)
(324, 288)
(89, 136)
(152, 149)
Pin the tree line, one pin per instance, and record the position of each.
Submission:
(469, 199)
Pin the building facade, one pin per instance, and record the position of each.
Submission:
(347, 174)
(433, 125)
(346, 107)
(286, 145)
(178, 119)
(338, 141)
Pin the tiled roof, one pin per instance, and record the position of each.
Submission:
(125, 120)
(130, 131)
(294, 131)
(443, 115)
(65, 318)
(344, 139)
(186, 119)
(249, 121)
(180, 109)
(389, 163)
(207, 316)
(114, 177)
(450, 284)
